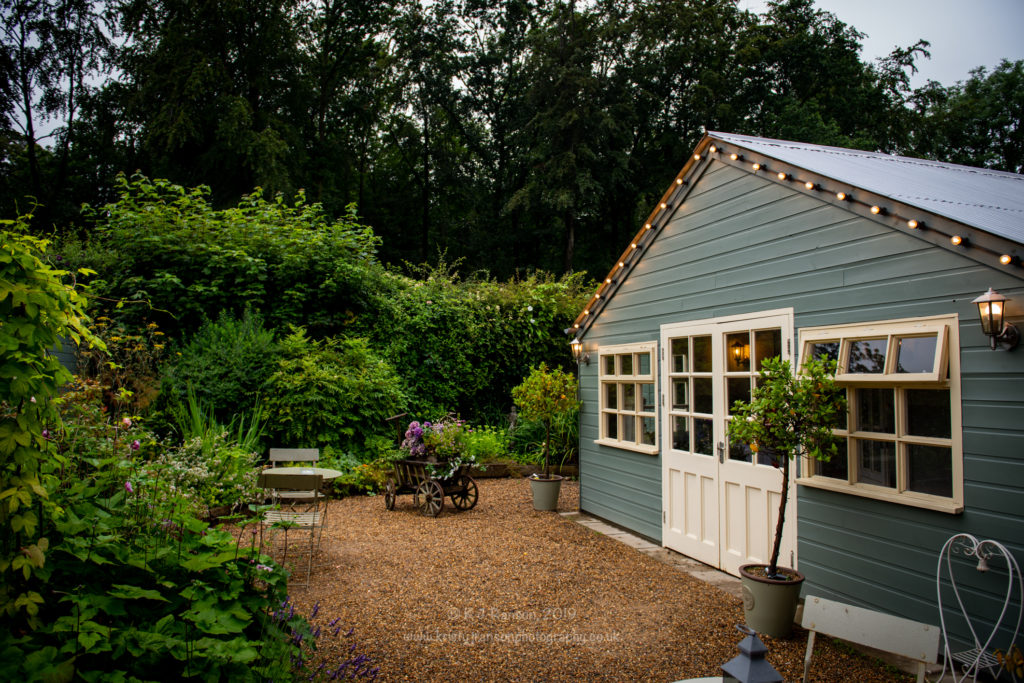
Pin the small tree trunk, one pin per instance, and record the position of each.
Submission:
(773, 566)
(547, 446)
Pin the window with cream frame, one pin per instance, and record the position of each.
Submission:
(629, 394)
(902, 438)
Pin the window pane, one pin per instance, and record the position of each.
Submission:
(703, 437)
(611, 396)
(626, 364)
(739, 450)
(609, 365)
(876, 410)
(681, 355)
(681, 433)
(702, 402)
(739, 390)
(611, 425)
(629, 428)
(930, 469)
(680, 394)
(867, 356)
(646, 398)
(628, 397)
(830, 350)
(767, 344)
(643, 363)
(737, 352)
(835, 467)
(648, 433)
(916, 354)
(877, 463)
(702, 354)
(928, 413)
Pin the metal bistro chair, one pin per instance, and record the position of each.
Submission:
(303, 456)
(311, 518)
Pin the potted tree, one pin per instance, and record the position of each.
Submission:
(788, 414)
(545, 395)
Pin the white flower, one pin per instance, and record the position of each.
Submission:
(529, 308)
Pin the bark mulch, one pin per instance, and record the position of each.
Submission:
(505, 593)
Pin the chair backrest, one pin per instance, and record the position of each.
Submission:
(291, 482)
(294, 455)
(884, 632)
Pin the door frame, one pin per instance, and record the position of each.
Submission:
(782, 318)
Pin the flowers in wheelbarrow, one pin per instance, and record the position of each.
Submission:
(413, 442)
(442, 443)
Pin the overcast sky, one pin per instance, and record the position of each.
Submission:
(964, 34)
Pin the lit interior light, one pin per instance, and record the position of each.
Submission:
(782, 176)
(757, 167)
(841, 196)
(912, 224)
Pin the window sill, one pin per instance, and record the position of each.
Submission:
(627, 446)
(948, 506)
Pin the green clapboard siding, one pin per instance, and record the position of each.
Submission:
(740, 244)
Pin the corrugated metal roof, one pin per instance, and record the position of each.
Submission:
(989, 200)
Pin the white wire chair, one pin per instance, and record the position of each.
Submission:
(311, 517)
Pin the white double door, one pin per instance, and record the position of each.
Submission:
(720, 503)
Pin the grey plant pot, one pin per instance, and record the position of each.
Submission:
(769, 605)
(545, 492)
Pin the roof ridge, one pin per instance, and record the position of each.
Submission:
(948, 201)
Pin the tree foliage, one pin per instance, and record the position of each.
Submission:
(511, 135)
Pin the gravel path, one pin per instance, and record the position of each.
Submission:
(505, 593)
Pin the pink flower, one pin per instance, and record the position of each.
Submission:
(136, 445)
(128, 487)
(127, 422)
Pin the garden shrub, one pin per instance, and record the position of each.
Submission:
(485, 443)
(39, 305)
(128, 364)
(225, 364)
(190, 261)
(334, 392)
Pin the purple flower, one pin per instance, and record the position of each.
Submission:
(136, 445)
(46, 433)
(128, 487)
(264, 568)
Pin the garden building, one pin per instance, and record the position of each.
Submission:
(764, 248)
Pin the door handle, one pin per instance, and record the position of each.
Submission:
(721, 451)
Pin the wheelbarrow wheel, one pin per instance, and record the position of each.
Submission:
(430, 497)
(467, 494)
(390, 494)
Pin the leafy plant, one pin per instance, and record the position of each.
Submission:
(527, 439)
(39, 306)
(128, 364)
(486, 443)
(546, 395)
(790, 414)
(225, 365)
(335, 392)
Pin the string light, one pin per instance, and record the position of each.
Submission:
(810, 186)
(696, 157)
(782, 176)
(957, 241)
(757, 167)
(679, 181)
(1006, 259)
(735, 157)
(841, 196)
(878, 210)
(576, 326)
(912, 224)
(608, 280)
(663, 205)
(713, 149)
(633, 245)
(648, 226)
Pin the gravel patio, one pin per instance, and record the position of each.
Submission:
(505, 593)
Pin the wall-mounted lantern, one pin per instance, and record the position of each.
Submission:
(577, 352)
(992, 310)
